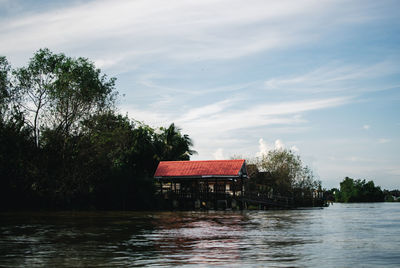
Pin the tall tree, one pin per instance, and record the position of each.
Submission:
(4, 85)
(56, 91)
(32, 88)
(79, 91)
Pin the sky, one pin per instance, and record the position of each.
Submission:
(321, 78)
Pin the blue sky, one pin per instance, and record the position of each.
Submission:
(241, 77)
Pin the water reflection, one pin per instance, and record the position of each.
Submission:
(199, 238)
(224, 238)
(337, 236)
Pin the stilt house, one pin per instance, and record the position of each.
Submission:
(202, 184)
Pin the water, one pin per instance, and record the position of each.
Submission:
(343, 235)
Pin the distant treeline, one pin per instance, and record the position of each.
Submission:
(63, 145)
(352, 191)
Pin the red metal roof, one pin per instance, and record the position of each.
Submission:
(199, 168)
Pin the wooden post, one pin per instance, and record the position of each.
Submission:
(241, 193)
(162, 204)
(233, 188)
(192, 195)
(216, 194)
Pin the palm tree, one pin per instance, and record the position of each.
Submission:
(172, 145)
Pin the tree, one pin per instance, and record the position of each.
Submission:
(284, 167)
(18, 163)
(144, 156)
(79, 91)
(358, 191)
(63, 145)
(112, 140)
(172, 145)
(348, 192)
(32, 88)
(284, 172)
(58, 92)
(4, 86)
(4, 78)
(124, 152)
(306, 180)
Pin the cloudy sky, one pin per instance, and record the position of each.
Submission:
(241, 77)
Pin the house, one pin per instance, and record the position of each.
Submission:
(210, 184)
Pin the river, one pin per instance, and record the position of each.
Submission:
(342, 235)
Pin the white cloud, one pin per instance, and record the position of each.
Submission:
(152, 118)
(279, 145)
(336, 77)
(182, 30)
(207, 110)
(225, 122)
(217, 125)
(366, 127)
(295, 149)
(219, 154)
(263, 147)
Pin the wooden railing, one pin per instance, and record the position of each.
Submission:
(255, 198)
(268, 199)
(202, 195)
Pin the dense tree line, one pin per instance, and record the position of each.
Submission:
(352, 191)
(63, 145)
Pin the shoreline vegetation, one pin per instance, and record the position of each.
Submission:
(65, 146)
(359, 191)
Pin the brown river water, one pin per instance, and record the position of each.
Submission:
(342, 235)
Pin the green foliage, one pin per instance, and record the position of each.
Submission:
(284, 166)
(78, 92)
(5, 69)
(282, 172)
(65, 147)
(358, 191)
(4, 79)
(172, 145)
(58, 92)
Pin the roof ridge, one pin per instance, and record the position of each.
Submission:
(200, 167)
(202, 160)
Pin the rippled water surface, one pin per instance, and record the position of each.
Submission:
(361, 235)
